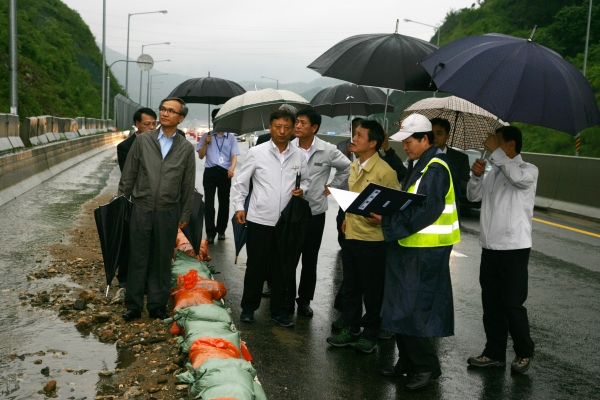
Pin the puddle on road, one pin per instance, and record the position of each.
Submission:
(39, 338)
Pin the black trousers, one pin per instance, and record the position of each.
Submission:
(152, 236)
(364, 274)
(416, 354)
(504, 279)
(264, 261)
(310, 257)
(215, 180)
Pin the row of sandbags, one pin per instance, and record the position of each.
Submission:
(219, 362)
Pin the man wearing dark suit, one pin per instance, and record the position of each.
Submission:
(144, 120)
(459, 161)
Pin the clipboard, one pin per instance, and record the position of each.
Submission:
(375, 199)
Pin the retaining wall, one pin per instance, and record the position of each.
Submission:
(22, 171)
(566, 183)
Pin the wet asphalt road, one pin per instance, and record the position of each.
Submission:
(563, 307)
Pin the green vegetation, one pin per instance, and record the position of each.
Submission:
(561, 26)
(59, 61)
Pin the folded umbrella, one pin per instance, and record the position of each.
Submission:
(112, 223)
(239, 231)
(193, 231)
(517, 80)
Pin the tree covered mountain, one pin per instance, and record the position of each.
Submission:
(59, 61)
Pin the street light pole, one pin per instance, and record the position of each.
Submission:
(127, 55)
(103, 56)
(13, 60)
(585, 55)
(437, 28)
(150, 83)
(141, 72)
(276, 80)
(108, 82)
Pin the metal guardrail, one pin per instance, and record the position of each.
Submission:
(124, 110)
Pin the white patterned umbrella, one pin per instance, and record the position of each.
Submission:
(469, 124)
(250, 111)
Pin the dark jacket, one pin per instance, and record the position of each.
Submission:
(418, 291)
(461, 170)
(123, 149)
(158, 185)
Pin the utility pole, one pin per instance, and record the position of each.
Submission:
(103, 57)
(13, 62)
(585, 55)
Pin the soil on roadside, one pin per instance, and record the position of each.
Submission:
(151, 350)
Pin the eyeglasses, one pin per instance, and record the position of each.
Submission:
(149, 124)
(168, 111)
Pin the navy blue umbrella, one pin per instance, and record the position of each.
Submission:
(239, 231)
(517, 80)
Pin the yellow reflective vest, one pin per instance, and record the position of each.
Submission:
(445, 230)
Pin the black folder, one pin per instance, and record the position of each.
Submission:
(383, 201)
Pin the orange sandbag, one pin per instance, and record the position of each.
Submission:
(182, 243)
(175, 330)
(191, 280)
(203, 256)
(206, 348)
(245, 352)
(188, 298)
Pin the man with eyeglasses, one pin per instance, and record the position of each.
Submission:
(159, 177)
(221, 151)
(144, 120)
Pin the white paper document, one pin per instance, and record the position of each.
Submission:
(343, 197)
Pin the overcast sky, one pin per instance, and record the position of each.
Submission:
(244, 39)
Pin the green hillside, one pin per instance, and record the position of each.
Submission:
(59, 61)
(561, 26)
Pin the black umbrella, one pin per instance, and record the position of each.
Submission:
(193, 231)
(350, 99)
(239, 231)
(381, 60)
(112, 222)
(207, 90)
(517, 80)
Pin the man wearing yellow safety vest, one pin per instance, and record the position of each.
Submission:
(417, 299)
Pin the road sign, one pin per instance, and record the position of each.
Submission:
(145, 62)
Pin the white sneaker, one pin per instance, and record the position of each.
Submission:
(119, 296)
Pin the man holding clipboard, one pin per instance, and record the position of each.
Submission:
(417, 302)
(363, 251)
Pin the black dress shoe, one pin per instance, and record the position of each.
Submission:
(160, 314)
(395, 372)
(130, 315)
(417, 381)
(304, 309)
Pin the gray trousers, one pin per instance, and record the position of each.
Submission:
(152, 236)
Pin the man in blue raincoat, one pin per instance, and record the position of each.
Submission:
(417, 300)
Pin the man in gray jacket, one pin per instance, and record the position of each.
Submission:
(159, 176)
(272, 168)
(321, 157)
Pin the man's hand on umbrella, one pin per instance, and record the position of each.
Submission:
(478, 167)
(182, 225)
(297, 192)
(326, 192)
(374, 219)
(344, 227)
(491, 143)
(240, 217)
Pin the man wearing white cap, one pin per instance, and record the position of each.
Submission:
(417, 300)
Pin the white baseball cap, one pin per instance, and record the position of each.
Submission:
(412, 124)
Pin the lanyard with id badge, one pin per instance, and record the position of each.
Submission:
(220, 148)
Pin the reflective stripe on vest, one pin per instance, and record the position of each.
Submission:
(445, 230)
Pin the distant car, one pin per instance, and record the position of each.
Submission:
(241, 137)
(254, 137)
(473, 154)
